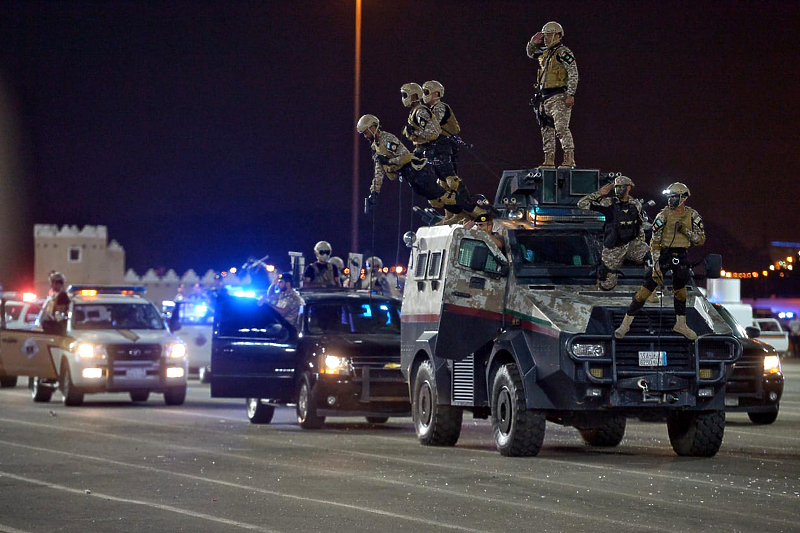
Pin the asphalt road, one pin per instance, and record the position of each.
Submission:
(114, 466)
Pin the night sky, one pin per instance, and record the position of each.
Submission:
(204, 132)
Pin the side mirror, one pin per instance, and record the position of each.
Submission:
(752, 332)
(713, 263)
(175, 319)
(409, 238)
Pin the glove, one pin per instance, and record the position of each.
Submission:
(382, 159)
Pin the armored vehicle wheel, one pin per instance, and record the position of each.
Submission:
(40, 392)
(518, 431)
(72, 395)
(8, 381)
(763, 419)
(696, 434)
(609, 434)
(139, 395)
(306, 405)
(436, 424)
(175, 395)
(257, 412)
(377, 419)
(205, 374)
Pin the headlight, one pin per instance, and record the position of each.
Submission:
(588, 350)
(176, 350)
(772, 364)
(336, 365)
(85, 350)
(516, 214)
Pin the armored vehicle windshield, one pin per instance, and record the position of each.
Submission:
(554, 254)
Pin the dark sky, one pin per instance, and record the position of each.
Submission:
(204, 132)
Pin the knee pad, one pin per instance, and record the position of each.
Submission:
(680, 294)
(642, 294)
(447, 199)
(436, 202)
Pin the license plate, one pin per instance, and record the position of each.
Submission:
(731, 401)
(652, 358)
(136, 373)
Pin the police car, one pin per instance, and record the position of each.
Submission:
(19, 312)
(113, 340)
(194, 319)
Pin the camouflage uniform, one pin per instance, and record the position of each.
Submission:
(556, 79)
(421, 128)
(288, 300)
(613, 254)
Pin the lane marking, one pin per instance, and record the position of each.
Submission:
(159, 506)
(9, 529)
(386, 514)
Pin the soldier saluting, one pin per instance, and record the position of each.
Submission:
(556, 83)
(675, 229)
(624, 232)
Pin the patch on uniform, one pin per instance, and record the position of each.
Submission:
(391, 146)
(699, 223)
(658, 224)
(566, 57)
(422, 123)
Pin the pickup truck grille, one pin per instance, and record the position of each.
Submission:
(133, 352)
(376, 360)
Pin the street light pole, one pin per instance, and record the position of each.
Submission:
(356, 116)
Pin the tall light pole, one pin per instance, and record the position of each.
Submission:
(356, 116)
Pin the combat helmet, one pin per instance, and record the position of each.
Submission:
(678, 189)
(338, 263)
(375, 262)
(410, 93)
(323, 251)
(623, 180)
(430, 87)
(553, 27)
(366, 122)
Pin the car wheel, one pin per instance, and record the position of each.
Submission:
(306, 405)
(204, 374)
(175, 395)
(40, 392)
(518, 431)
(762, 419)
(8, 381)
(139, 395)
(609, 434)
(73, 396)
(696, 434)
(435, 424)
(257, 412)
(377, 419)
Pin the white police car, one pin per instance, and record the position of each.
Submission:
(113, 340)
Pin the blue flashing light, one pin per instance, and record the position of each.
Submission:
(245, 294)
(200, 310)
(384, 307)
(784, 244)
(367, 310)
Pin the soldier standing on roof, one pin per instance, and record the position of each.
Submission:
(675, 229)
(556, 83)
(321, 273)
(624, 232)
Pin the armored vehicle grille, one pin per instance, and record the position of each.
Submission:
(133, 352)
(463, 381)
(680, 353)
(650, 322)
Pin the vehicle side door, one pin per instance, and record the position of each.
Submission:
(253, 351)
(31, 353)
(473, 296)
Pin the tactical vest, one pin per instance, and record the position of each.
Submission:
(322, 278)
(414, 121)
(625, 226)
(552, 73)
(670, 237)
(449, 124)
(380, 148)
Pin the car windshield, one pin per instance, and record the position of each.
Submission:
(738, 330)
(116, 316)
(353, 318)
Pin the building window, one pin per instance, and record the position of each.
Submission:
(74, 254)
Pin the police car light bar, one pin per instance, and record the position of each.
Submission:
(92, 290)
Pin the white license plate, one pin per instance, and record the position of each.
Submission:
(731, 401)
(652, 358)
(136, 373)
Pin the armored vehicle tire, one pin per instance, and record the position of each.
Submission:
(436, 424)
(518, 431)
(307, 406)
(609, 434)
(175, 395)
(257, 412)
(40, 392)
(762, 419)
(204, 373)
(73, 396)
(139, 395)
(8, 381)
(377, 419)
(696, 434)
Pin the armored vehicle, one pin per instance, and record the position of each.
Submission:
(522, 334)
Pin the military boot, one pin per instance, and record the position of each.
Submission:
(549, 160)
(569, 159)
(450, 219)
(624, 328)
(683, 329)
